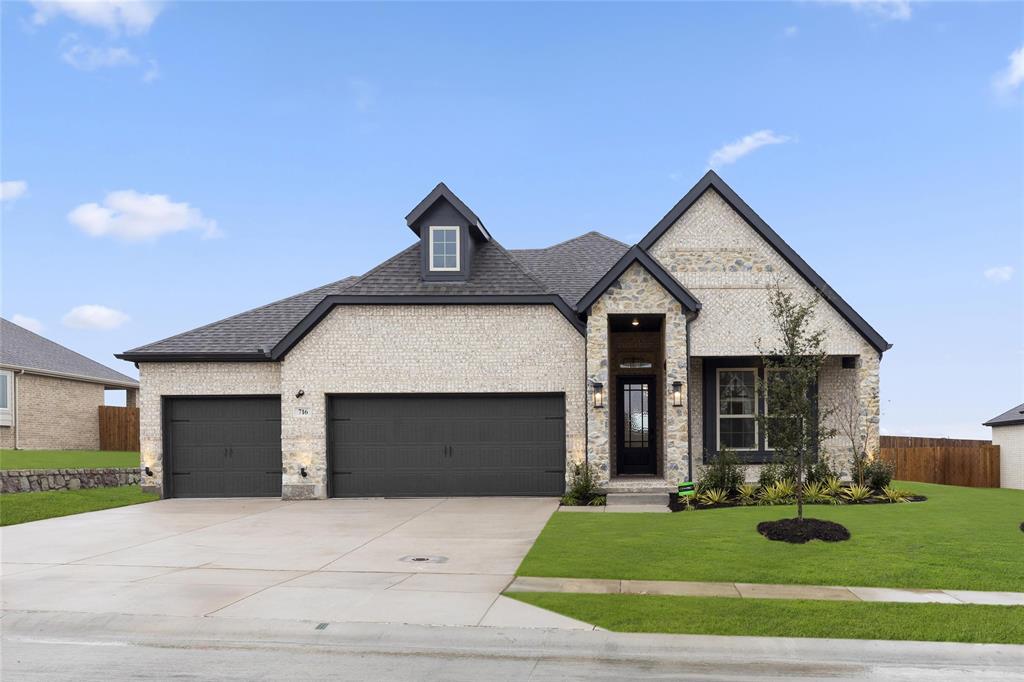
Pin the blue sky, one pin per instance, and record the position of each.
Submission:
(173, 164)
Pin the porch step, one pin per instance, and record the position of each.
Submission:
(616, 499)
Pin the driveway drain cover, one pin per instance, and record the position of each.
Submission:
(424, 559)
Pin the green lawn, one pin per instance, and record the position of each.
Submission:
(788, 618)
(23, 507)
(961, 538)
(67, 459)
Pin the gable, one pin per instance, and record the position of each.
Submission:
(713, 243)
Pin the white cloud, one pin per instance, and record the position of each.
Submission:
(133, 216)
(130, 16)
(152, 73)
(791, 31)
(1012, 76)
(12, 189)
(29, 323)
(94, 317)
(89, 58)
(895, 10)
(734, 151)
(999, 273)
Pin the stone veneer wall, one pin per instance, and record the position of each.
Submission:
(37, 480)
(722, 261)
(56, 414)
(161, 379)
(638, 293)
(424, 349)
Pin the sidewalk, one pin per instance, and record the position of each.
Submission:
(762, 591)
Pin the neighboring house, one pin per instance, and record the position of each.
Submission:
(49, 394)
(458, 367)
(1008, 434)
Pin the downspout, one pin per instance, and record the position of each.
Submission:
(689, 410)
(14, 393)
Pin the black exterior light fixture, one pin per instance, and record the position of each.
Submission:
(598, 395)
(303, 472)
(148, 471)
(677, 394)
(300, 393)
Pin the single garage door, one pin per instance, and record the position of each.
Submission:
(438, 446)
(224, 447)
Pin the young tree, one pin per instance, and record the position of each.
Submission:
(846, 411)
(793, 423)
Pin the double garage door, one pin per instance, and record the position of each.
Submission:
(378, 445)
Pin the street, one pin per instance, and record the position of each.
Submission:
(115, 647)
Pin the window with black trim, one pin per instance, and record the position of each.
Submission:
(444, 248)
(737, 408)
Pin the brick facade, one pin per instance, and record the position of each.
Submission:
(54, 414)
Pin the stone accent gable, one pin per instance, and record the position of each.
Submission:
(722, 260)
(636, 293)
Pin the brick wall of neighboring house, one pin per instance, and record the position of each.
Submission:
(1010, 440)
(7, 437)
(424, 349)
(637, 293)
(56, 414)
(715, 254)
(192, 378)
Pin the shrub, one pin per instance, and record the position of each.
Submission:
(858, 464)
(582, 482)
(724, 473)
(569, 501)
(598, 501)
(780, 492)
(878, 474)
(857, 493)
(890, 494)
(833, 486)
(820, 471)
(771, 473)
(713, 496)
(747, 493)
(816, 493)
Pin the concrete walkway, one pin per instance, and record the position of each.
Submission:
(760, 591)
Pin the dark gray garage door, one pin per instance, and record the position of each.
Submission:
(429, 446)
(224, 447)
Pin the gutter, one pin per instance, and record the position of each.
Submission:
(75, 377)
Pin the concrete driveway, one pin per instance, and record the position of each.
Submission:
(418, 561)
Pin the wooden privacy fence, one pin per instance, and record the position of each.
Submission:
(976, 466)
(119, 428)
(925, 442)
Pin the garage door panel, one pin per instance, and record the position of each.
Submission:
(447, 445)
(224, 447)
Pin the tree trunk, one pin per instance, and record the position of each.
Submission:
(799, 485)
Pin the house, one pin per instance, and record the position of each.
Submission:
(50, 395)
(458, 367)
(1008, 434)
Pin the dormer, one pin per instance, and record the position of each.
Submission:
(449, 235)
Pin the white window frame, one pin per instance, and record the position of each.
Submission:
(7, 413)
(718, 407)
(458, 247)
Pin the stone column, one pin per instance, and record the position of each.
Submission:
(675, 427)
(868, 397)
(598, 447)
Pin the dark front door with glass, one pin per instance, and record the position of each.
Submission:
(636, 439)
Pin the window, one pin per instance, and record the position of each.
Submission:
(774, 378)
(636, 419)
(6, 390)
(444, 248)
(635, 362)
(737, 407)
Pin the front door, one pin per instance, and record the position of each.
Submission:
(637, 435)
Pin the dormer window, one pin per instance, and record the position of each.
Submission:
(444, 249)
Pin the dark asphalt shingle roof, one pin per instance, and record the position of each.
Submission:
(254, 331)
(1014, 415)
(27, 350)
(568, 269)
(571, 268)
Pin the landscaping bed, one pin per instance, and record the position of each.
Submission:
(799, 531)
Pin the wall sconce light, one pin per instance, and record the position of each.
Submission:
(148, 471)
(300, 393)
(677, 393)
(598, 395)
(303, 472)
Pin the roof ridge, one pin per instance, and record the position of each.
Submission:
(515, 261)
(244, 312)
(573, 239)
(69, 350)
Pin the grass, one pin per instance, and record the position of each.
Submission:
(961, 538)
(788, 618)
(67, 459)
(24, 507)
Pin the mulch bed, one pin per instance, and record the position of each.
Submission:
(675, 505)
(799, 532)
